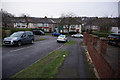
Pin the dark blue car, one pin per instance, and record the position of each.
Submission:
(56, 34)
(114, 38)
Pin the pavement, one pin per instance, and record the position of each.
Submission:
(74, 64)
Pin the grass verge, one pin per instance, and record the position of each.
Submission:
(44, 68)
(71, 42)
(40, 39)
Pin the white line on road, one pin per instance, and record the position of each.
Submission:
(20, 49)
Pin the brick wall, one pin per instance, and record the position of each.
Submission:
(96, 49)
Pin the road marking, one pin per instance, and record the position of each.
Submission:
(20, 49)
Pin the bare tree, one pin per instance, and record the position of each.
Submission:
(26, 16)
(105, 24)
(67, 19)
(6, 18)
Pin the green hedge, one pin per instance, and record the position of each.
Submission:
(13, 30)
(20, 29)
(17, 29)
(101, 33)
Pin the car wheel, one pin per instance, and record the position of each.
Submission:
(32, 41)
(19, 43)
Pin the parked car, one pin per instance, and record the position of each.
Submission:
(77, 35)
(114, 38)
(62, 38)
(56, 34)
(38, 32)
(19, 38)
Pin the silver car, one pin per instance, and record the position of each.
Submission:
(77, 35)
(62, 38)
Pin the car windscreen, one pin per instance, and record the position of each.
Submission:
(16, 34)
(61, 36)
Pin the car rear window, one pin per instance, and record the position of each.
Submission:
(61, 36)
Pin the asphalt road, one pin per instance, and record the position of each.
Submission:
(14, 59)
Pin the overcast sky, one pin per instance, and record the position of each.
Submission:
(54, 8)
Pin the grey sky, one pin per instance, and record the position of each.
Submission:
(55, 9)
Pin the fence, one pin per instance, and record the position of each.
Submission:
(96, 47)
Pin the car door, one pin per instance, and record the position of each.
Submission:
(24, 38)
(29, 37)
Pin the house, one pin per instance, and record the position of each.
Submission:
(115, 29)
(47, 24)
(74, 26)
(19, 22)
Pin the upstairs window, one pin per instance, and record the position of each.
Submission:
(45, 25)
(72, 26)
(35, 24)
(18, 24)
(40, 25)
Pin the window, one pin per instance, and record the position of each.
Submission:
(18, 24)
(65, 31)
(46, 30)
(72, 26)
(45, 25)
(23, 24)
(66, 26)
(40, 25)
(35, 24)
(24, 35)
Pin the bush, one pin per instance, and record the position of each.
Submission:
(20, 29)
(38, 29)
(101, 33)
(13, 30)
(5, 28)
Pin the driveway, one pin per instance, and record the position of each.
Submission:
(14, 59)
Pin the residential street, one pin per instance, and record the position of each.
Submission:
(15, 59)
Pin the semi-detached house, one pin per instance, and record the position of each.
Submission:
(74, 26)
(47, 24)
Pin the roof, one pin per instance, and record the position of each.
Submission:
(66, 21)
(33, 20)
(46, 20)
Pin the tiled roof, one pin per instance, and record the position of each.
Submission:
(33, 20)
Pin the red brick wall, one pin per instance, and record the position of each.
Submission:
(102, 66)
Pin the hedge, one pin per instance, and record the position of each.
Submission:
(101, 33)
(15, 30)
